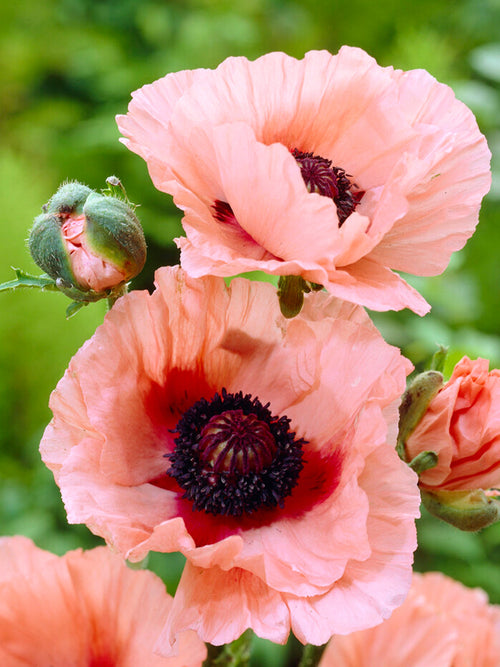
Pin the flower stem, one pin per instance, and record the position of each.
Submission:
(116, 294)
(235, 654)
(311, 655)
(291, 295)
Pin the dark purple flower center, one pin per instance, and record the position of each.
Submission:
(320, 177)
(232, 456)
(223, 212)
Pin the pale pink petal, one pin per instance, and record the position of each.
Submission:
(440, 624)
(246, 600)
(86, 608)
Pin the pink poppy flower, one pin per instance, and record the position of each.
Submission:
(198, 419)
(441, 624)
(85, 609)
(462, 425)
(331, 167)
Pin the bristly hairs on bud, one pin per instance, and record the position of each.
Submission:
(117, 189)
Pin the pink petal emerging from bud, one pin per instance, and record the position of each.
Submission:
(89, 243)
(90, 270)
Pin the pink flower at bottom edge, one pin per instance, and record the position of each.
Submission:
(84, 609)
(441, 624)
(330, 167)
(198, 419)
(462, 425)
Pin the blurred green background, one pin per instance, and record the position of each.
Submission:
(69, 66)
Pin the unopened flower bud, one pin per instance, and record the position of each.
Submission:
(87, 242)
(467, 510)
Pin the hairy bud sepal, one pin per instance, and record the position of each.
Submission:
(414, 404)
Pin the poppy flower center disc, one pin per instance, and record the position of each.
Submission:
(232, 456)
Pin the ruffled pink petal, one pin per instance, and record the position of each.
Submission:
(377, 287)
(145, 126)
(440, 624)
(20, 557)
(413, 635)
(370, 590)
(443, 209)
(84, 608)
(220, 606)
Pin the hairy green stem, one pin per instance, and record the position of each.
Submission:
(311, 655)
(235, 654)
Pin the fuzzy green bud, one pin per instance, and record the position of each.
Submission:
(89, 243)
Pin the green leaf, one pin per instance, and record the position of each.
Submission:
(74, 307)
(43, 282)
(439, 358)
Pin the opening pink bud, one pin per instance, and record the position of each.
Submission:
(90, 270)
(462, 426)
(87, 242)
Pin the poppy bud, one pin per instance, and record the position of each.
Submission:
(467, 510)
(89, 243)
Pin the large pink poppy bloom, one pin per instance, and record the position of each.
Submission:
(85, 609)
(331, 167)
(198, 419)
(462, 425)
(441, 624)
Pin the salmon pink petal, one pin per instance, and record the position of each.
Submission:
(152, 111)
(247, 603)
(85, 608)
(370, 589)
(377, 287)
(440, 624)
(19, 556)
(443, 192)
